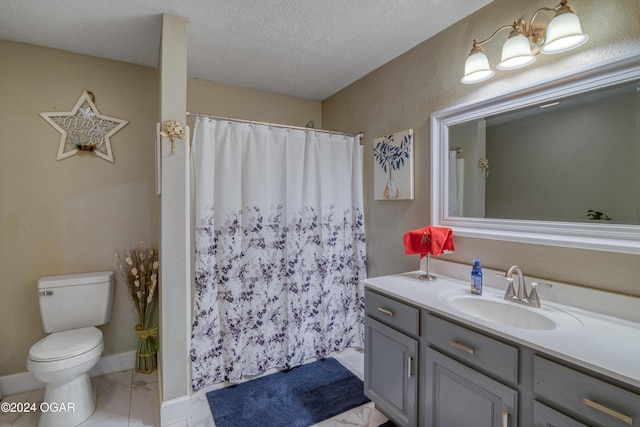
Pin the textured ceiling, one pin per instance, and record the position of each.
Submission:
(305, 48)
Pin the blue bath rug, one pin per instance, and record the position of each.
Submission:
(297, 397)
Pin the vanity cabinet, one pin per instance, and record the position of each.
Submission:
(425, 369)
(391, 357)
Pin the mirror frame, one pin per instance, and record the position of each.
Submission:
(584, 235)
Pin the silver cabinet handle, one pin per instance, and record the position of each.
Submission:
(464, 348)
(385, 311)
(409, 363)
(615, 414)
(505, 418)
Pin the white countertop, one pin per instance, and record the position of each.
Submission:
(602, 343)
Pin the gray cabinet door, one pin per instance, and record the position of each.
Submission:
(457, 395)
(390, 378)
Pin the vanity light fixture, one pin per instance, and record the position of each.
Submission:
(526, 40)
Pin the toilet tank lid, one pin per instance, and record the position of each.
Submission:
(75, 279)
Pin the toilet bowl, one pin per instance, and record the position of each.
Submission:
(70, 307)
(62, 362)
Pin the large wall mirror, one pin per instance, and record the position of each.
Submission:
(557, 163)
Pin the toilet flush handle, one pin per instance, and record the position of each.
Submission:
(45, 293)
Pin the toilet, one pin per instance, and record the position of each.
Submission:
(71, 306)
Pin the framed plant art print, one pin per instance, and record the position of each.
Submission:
(393, 166)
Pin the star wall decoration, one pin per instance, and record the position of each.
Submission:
(84, 129)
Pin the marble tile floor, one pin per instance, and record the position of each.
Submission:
(129, 398)
(123, 399)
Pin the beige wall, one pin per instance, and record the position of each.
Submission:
(249, 104)
(404, 92)
(59, 217)
(69, 216)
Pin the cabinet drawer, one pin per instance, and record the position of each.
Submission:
(543, 416)
(476, 349)
(589, 397)
(394, 313)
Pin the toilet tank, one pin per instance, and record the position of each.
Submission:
(75, 300)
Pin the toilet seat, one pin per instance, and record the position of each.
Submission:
(65, 345)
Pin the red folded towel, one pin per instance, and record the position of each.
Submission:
(428, 240)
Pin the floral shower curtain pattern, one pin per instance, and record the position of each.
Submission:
(280, 248)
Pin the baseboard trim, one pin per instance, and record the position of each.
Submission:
(175, 410)
(25, 381)
(114, 363)
(18, 383)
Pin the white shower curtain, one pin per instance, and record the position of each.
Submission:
(456, 184)
(280, 248)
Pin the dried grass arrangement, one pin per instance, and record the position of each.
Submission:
(139, 268)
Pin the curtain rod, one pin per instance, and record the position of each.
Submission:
(359, 134)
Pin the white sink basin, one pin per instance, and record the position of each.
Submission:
(497, 310)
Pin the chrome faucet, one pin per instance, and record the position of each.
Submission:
(520, 294)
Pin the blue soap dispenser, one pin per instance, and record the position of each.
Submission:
(476, 278)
